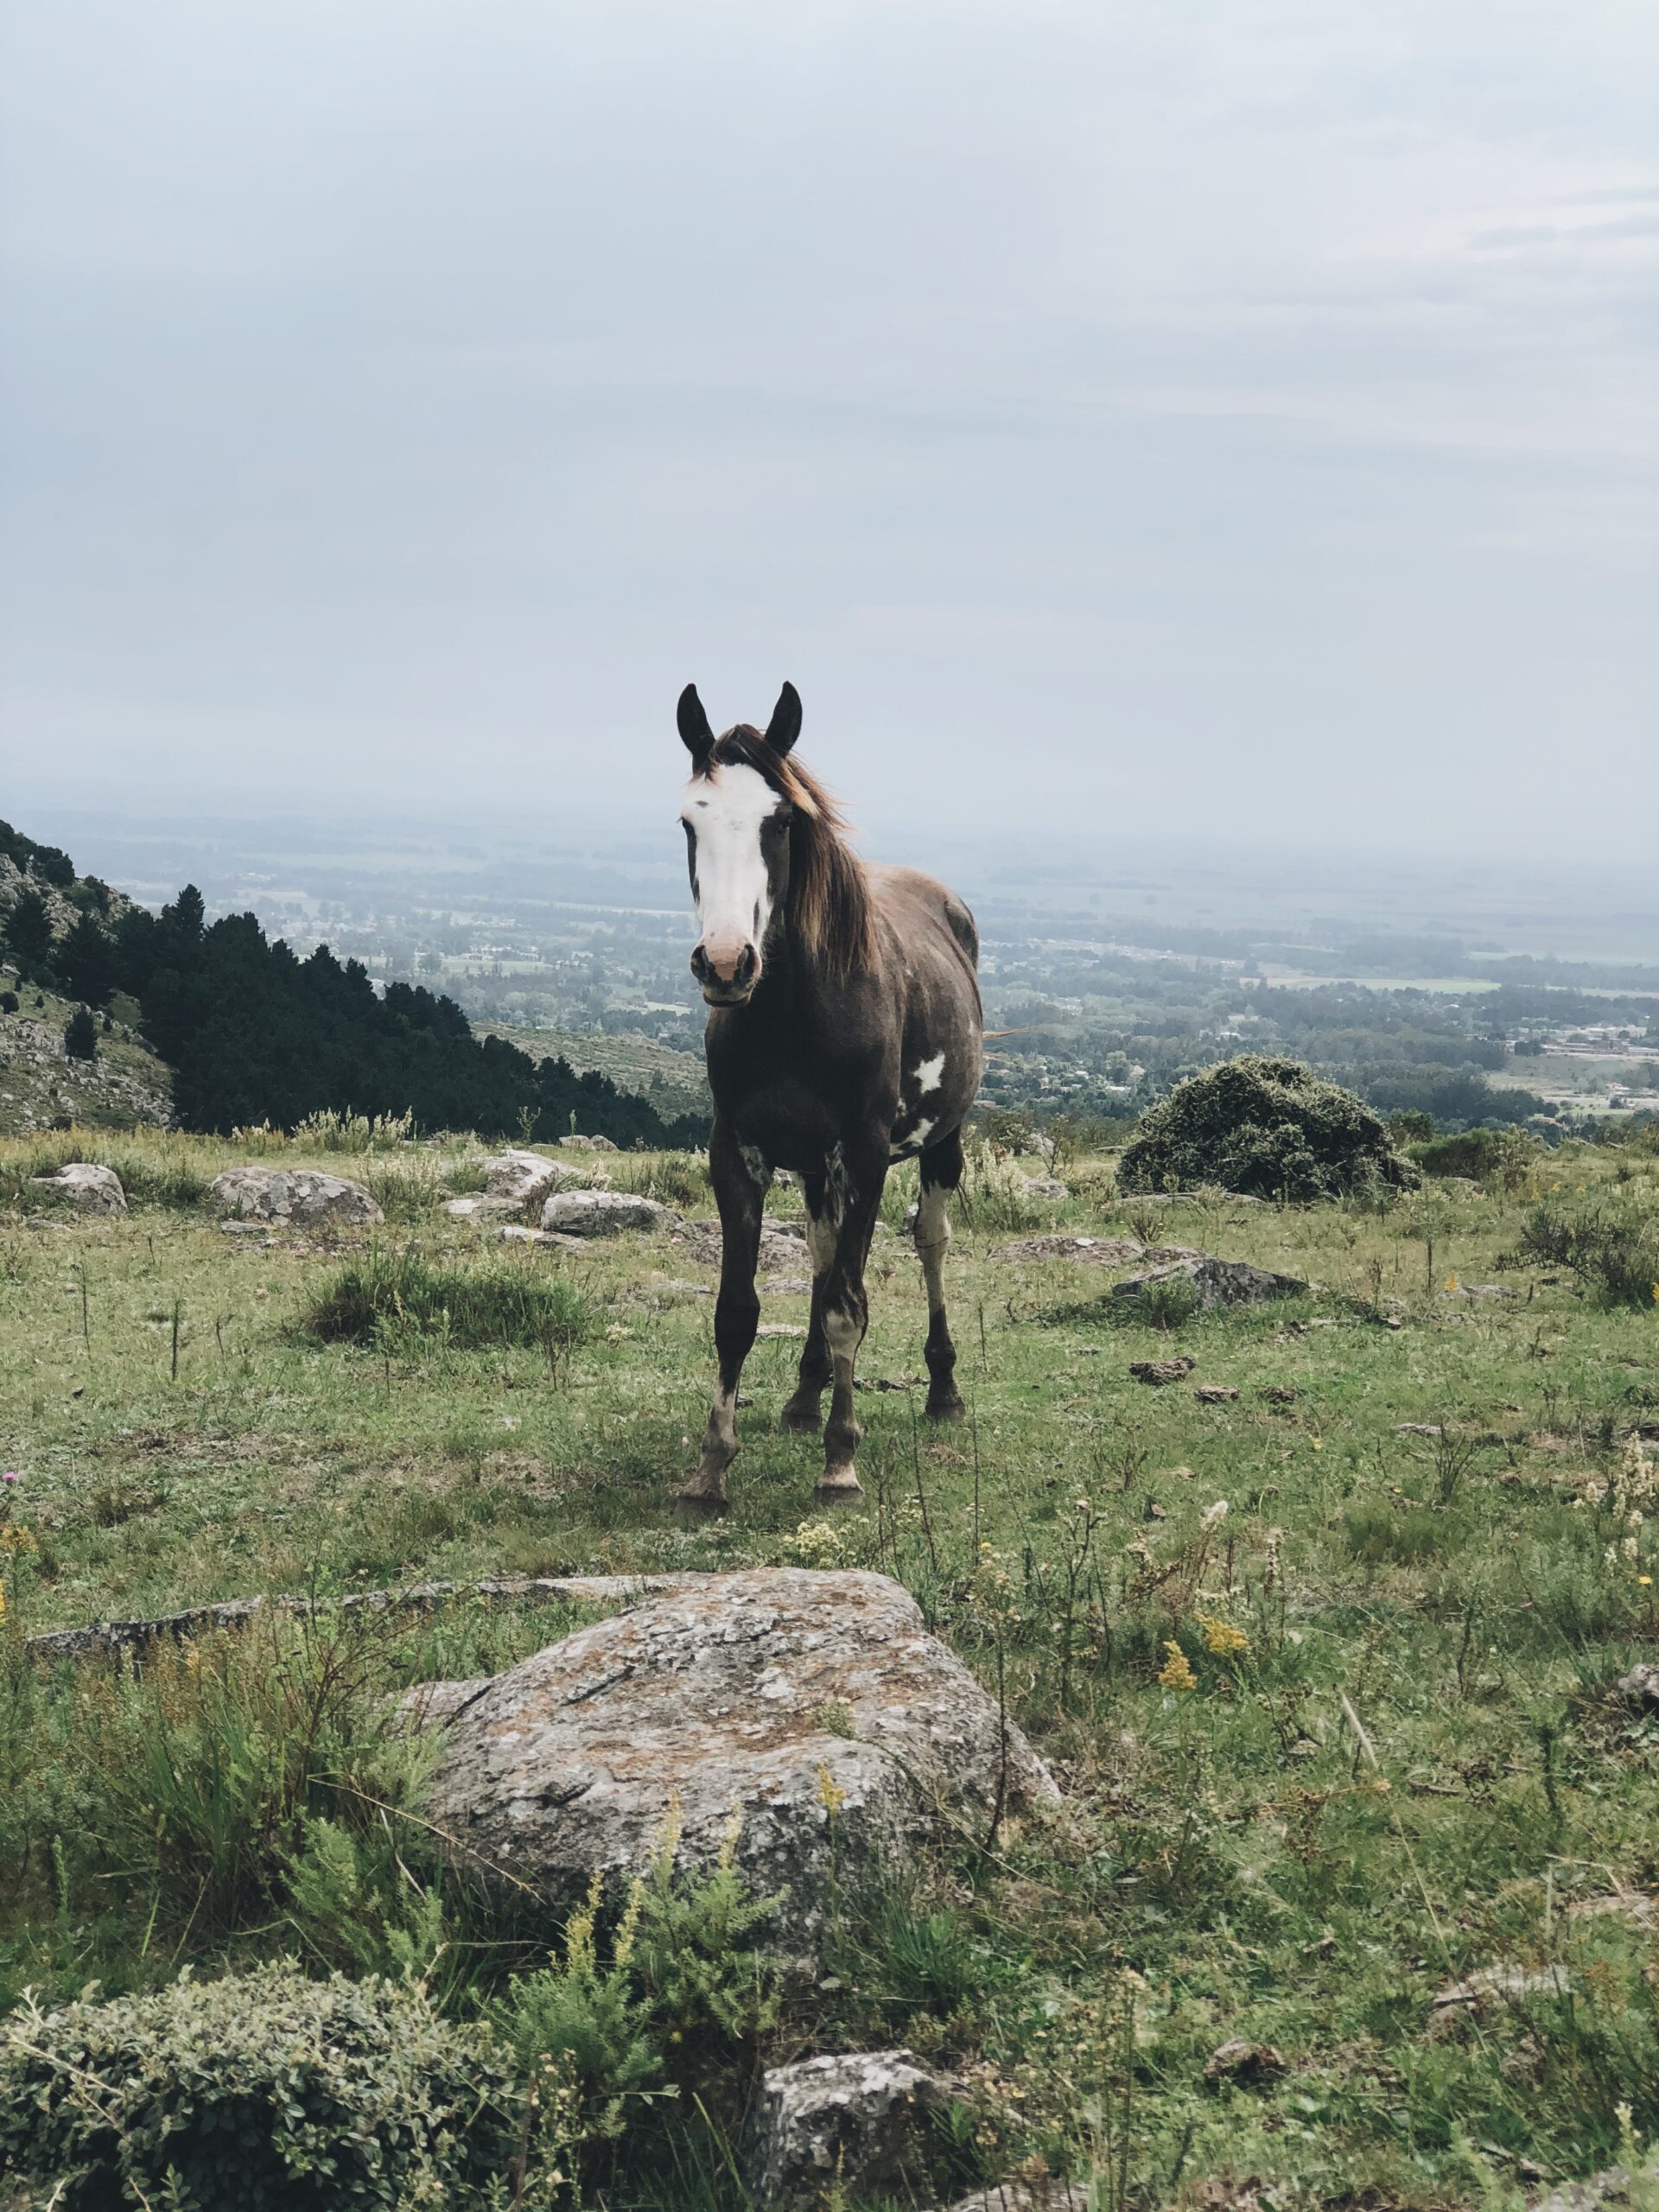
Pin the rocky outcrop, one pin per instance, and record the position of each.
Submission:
(302, 1197)
(1217, 1283)
(604, 1213)
(857, 2122)
(812, 1709)
(480, 1205)
(90, 1188)
(590, 1144)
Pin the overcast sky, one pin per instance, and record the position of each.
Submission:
(1233, 413)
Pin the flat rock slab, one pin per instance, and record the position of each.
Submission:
(90, 1188)
(856, 2122)
(604, 1213)
(301, 1195)
(1217, 1283)
(515, 1233)
(1097, 1251)
(96, 1638)
(481, 1206)
(765, 1697)
(783, 1247)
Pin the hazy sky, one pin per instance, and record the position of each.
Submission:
(1241, 413)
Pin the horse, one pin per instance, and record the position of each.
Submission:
(845, 1033)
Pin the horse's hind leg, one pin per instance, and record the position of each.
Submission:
(804, 1414)
(941, 1172)
(740, 1177)
(846, 1313)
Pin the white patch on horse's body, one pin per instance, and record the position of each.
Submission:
(929, 1074)
(913, 1140)
(755, 1160)
(724, 811)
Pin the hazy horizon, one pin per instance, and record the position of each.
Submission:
(1239, 427)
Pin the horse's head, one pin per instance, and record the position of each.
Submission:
(737, 812)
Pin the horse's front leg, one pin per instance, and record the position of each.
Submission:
(740, 1176)
(856, 1182)
(804, 1414)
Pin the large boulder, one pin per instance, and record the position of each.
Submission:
(604, 1213)
(815, 1709)
(526, 1177)
(1217, 1283)
(303, 1197)
(857, 2122)
(90, 1188)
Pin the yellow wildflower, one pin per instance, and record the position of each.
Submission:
(1451, 1282)
(1222, 1638)
(1646, 1581)
(1176, 1674)
(831, 1796)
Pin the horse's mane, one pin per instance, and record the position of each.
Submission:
(830, 907)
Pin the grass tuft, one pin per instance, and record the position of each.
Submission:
(389, 1297)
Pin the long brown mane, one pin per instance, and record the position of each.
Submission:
(830, 907)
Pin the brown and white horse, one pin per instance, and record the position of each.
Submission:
(845, 1035)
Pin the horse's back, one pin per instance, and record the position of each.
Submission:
(912, 900)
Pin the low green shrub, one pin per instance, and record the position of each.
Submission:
(392, 1297)
(261, 2089)
(1613, 1248)
(1505, 1157)
(1269, 1129)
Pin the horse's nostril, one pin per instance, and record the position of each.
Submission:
(746, 965)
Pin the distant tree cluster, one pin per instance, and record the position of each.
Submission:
(252, 1032)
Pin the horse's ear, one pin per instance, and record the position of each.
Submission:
(786, 724)
(693, 725)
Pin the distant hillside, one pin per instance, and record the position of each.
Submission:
(39, 1085)
(675, 1082)
(251, 1032)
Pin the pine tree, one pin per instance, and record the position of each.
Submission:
(28, 932)
(80, 1035)
(85, 962)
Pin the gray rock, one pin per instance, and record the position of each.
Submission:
(588, 1144)
(1045, 1186)
(526, 1177)
(786, 1286)
(1098, 1251)
(603, 1213)
(716, 1696)
(1216, 1283)
(481, 1206)
(857, 2122)
(1641, 1685)
(1611, 2186)
(516, 1233)
(90, 1188)
(303, 1196)
(783, 1247)
(1026, 2197)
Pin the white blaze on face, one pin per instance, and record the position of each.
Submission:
(724, 811)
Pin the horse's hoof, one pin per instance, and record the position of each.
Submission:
(801, 1420)
(844, 1491)
(942, 1408)
(699, 1504)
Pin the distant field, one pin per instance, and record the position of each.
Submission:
(637, 1063)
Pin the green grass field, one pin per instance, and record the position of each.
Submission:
(1332, 1697)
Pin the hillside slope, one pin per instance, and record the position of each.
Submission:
(41, 1086)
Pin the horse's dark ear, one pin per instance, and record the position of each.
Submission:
(693, 725)
(786, 724)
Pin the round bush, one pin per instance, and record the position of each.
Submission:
(262, 2089)
(1270, 1129)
